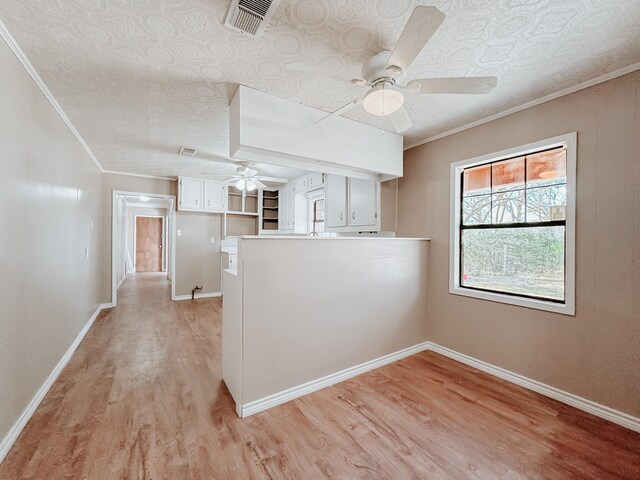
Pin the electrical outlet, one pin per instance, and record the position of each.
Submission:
(179, 233)
(213, 239)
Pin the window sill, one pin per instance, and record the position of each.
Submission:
(562, 308)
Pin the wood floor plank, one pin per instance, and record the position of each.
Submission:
(142, 398)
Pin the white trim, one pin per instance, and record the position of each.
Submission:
(567, 91)
(179, 298)
(13, 45)
(589, 406)
(113, 172)
(569, 141)
(28, 412)
(320, 383)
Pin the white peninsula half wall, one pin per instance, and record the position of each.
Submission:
(304, 313)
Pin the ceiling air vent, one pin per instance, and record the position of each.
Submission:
(250, 17)
(188, 152)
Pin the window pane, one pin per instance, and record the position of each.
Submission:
(476, 210)
(508, 174)
(477, 180)
(541, 200)
(547, 168)
(525, 261)
(508, 207)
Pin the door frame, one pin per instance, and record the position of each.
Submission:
(171, 217)
(163, 266)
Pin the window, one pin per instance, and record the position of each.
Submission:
(513, 223)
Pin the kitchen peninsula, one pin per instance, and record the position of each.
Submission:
(302, 313)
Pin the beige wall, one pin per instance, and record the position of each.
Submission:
(50, 197)
(595, 354)
(389, 204)
(197, 259)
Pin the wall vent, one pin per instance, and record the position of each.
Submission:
(188, 152)
(250, 17)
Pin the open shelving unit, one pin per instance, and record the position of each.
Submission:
(269, 220)
(242, 213)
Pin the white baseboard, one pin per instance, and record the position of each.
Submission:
(179, 298)
(14, 433)
(615, 416)
(314, 385)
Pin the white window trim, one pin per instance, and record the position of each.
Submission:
(569, 141)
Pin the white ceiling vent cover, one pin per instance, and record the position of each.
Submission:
(250, 17)
(188, 152)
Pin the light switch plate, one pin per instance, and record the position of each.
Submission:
(213, 239)
(179, 233)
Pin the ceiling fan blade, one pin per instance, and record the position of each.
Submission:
(340, 111)
(471, 85)
(422, 24)
(400, 120)
(304, 68)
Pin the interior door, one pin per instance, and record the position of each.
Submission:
(148, 244)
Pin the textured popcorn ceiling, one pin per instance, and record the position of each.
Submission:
(139, 78)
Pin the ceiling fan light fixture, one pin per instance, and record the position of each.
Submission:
(383, 99)
(241, 184)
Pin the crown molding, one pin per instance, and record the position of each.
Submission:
(533, 103)
(129, 174)
(13, 45)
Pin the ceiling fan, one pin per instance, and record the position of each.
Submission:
(245, 179)
(382, 72)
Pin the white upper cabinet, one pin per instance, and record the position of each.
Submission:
(335, 201)
(363, 205)
(315, 180)
(213, 196)
(351, 204)
(190, 194)
(308, 182)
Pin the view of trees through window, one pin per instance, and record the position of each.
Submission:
(512, 232)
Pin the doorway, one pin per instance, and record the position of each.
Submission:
(133, 251)
(149, 244)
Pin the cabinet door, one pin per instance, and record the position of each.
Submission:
(363, 200)
(213, 200)
(282, 208)
(191, 194)
(300, 184)
(314, 180)
(291, 208)
(335, 203)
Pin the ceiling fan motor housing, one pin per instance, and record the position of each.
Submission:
(376, 68)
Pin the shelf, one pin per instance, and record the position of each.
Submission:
(239, 195)
(270, 208)
(269, 219)
(248, 214)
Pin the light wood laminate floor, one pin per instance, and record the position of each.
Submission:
(142, 398)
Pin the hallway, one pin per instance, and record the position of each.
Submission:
(142, 398)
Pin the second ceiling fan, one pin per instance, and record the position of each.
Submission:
(380, 72)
